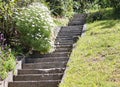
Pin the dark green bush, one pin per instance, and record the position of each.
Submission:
(81, 6)
(7, 8)
(61, 7)
(95, 16)
(36, 27)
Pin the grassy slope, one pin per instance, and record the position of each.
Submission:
(95, 62)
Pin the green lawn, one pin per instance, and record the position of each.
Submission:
(95, 62)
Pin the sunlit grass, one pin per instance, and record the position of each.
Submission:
(95, 62)
(61, 21)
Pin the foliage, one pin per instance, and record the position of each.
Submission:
(7, 62)
(95, 60)
(86, 5)
(61, 7)
(102, 14)
(81, 6)
(115, 3)
(36, 27)
(61, 21)
(22, 3)
(7, 25)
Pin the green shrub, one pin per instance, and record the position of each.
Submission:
(36, 27)
(81, 6)
(7, 62)
(61, 7)
(7, 8)
(95, 16)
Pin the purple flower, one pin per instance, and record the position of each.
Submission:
(1, 38)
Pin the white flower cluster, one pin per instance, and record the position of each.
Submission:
(35, 22)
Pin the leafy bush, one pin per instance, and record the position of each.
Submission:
(36, 27)
(81, 6)
(95, 16)
(115, 3)
(7, 62)
(61, 7)
(7, 8)
(103, 14)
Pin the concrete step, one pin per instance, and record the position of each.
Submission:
(69, 34)
(74, 23)
(71, 31)
(61, 42)
(64, 38)
(68, 37)
(71, 28)
(45, 65)
(63, 50)
(63, 46)
(64, 41)
(53, 59)
(57, 54)
(46, 83)
(77, 19)
(54, 54)
(41, 71)
(38, 77)
(80, 16)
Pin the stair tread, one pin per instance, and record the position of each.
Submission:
(43, 69)
(44, 63)
(40, 74)
(36, 81)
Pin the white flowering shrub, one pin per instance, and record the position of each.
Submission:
(36, 27)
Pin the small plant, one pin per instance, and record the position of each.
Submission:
(7, 59)
(7, 62)
(36, 27)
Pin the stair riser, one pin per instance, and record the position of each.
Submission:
(68, 46)
(64, 38)
(63, 50)
(23, 72)
(76, 23)
(37, 78)
(46, 60)
(63, 44)
(64, 41)
(51, 55)
(56, 55)
(71, 28)
(71, 31)
(69, 34)
(76, 19)
(34, 84)
(80, 16)
(44, 66)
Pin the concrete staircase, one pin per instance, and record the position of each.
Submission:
(47, 70)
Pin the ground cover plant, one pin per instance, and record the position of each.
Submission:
(95, 62)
